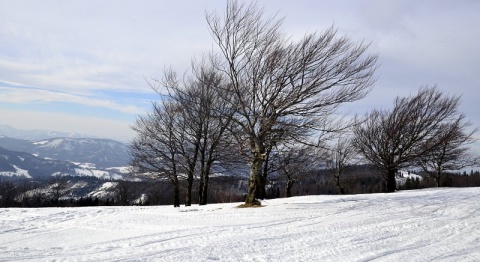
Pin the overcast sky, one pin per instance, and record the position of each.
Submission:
(80, 66)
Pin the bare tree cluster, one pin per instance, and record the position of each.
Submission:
(424, 130)
(261, 90)
(273, 99)
(185, 134)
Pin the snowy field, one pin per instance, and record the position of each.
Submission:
(423, 225)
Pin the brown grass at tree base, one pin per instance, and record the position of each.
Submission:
(256, 203)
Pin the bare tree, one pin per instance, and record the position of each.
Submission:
(189, 118)
(338, 158)
(277, 84)
(191, 121)
(216, 118)
(155, 149)
(295, 163)
(397, 138)
(451, 152)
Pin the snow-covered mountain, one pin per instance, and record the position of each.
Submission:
(21, 164)
(102, 153)
(36, 154)
(25, 165)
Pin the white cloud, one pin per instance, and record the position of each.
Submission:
(29, 95)
(97, 45)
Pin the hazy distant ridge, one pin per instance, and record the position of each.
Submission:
(9, 131)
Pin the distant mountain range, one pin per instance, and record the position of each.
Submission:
(12, 132)
(26, 165)
(72, 156)
(103, 153)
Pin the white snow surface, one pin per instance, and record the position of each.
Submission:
(420, 225)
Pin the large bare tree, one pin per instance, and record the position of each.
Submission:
(398, 138)
(278, 84)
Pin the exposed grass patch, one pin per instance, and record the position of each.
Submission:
(256, 203)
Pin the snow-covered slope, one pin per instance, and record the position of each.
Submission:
(17, 172)
(423, 225)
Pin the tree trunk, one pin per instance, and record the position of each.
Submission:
(436, 178)
(253, 182)
(176, 193)
(188, 195)
(261, 182)
(200, 189)
(191, 172)
(391, 182)
(201, 185)
(204, 189)
(288, 187)
(336, 178)
(205, 176)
